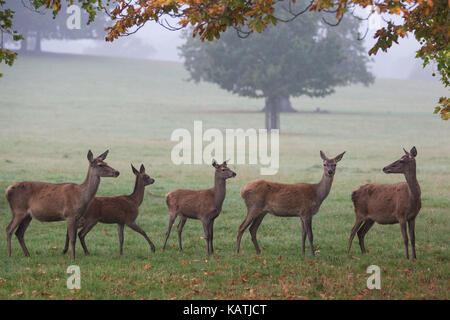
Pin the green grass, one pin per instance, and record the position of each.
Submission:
(54, 108)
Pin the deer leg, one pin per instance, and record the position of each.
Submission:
(253, 229)
(308, 225)
(362, 233)
(72, 229)
(20, 233)
(405, 237)
(206, 229)
(66, 245)
(120, 228)
(172, 218)
(180, 230)
(136, 228)
(82, 234)
(355, 228)
(412, 236)
(303, 235)
(15, 222)
(211, 235)
(242, 228)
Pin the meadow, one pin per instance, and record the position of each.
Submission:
(54, 108)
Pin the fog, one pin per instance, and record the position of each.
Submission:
(157, 43)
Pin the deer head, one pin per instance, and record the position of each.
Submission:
(222, 170)
(405, 164)
(99, 167)
(329, 165)
(142, 175)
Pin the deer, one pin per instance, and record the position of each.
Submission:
(121, 210)
(49, 202)
(204, 205)
(286, 200)
(389, 203)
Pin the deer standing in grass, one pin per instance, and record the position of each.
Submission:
(122, 210)
(204, 205)
(389, 203)
(49, 202)
(286, 200)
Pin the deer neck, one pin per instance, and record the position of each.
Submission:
(219, 192)
(90, 186)
(138, 192)
(413, 185)
(324, 186)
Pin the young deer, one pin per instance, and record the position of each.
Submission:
(286, 200)
(49, 202)
(204, 205)
(122, 210)
(389, 203)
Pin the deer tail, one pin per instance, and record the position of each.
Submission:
(10, 190)
(244, 191)
(355, 197)
(167, 196)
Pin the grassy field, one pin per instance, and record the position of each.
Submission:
(54, 108)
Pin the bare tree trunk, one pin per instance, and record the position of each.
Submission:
(37, 45)
(283, 104)
(24, 42)
(272, 113)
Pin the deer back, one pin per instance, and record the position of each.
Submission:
(383, 203)
(279, 198)
(119, 209)
(45, 201)
(191, 203)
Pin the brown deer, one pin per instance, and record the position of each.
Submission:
(286, 200)
(49, 202)
(204, 205)
(389, 203)
(122, 210)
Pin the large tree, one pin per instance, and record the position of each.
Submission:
(303, 58)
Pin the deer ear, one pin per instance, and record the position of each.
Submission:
(339, 157)
(134, 169)
(323, 156)
(90, 156)
(406, 152)
(413, 152)
(142, 169)
(103, 155)
(214, 163)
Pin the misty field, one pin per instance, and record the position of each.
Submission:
(54, 108)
